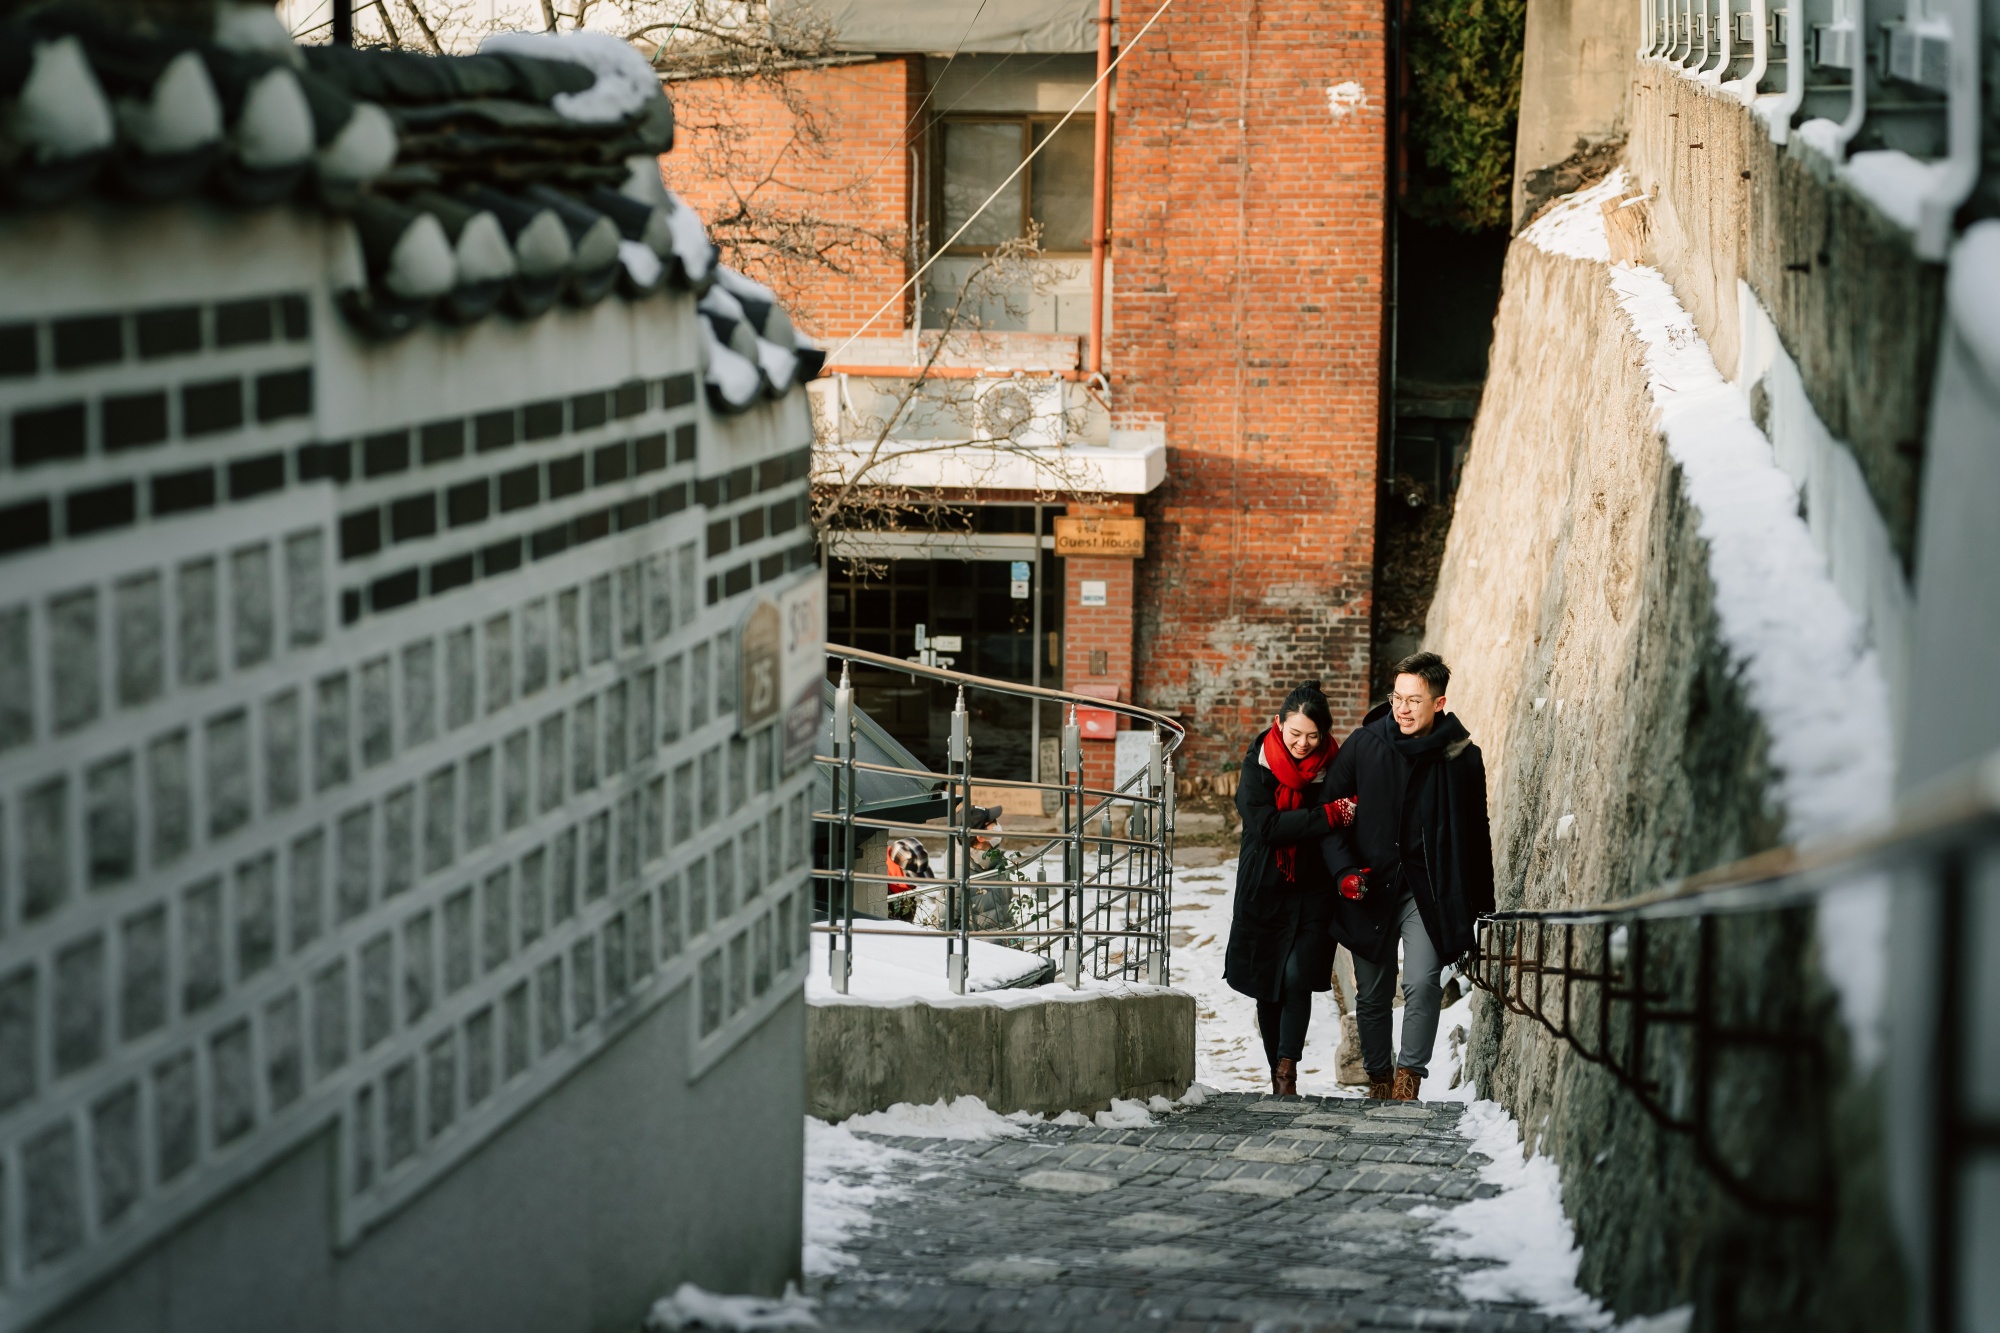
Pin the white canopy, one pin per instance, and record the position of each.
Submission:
(1015, 26)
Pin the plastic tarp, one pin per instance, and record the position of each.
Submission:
(1016, 26)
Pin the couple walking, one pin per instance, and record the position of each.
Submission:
(1373, 844)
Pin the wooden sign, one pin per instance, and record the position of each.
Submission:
(1116, 538)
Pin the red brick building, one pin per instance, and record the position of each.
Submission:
(1243, 332)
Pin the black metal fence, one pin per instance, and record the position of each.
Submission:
(1665, 991)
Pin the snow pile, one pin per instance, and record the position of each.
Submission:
(1894, 182)
(885, 967)
(964, 1118)
(1973, 289)
(625, 82)
(1803, 653)
(1574, 225)
(846, 1178)
(1126, 1114)
(1522, 1229)
(692, 1307)
(1822, 136)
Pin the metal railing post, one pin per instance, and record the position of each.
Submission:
(957, 964)
(840, 947)
(1072, 758)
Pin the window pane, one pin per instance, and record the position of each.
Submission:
(1061, 194)
(977, 157)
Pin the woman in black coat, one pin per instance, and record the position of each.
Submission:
(1280, 950)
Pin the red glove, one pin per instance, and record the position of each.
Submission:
(1340, 813)
(1354, 884)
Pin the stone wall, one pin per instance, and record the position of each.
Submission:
(1014, 1052)
(1853, 305)
(1579, 608)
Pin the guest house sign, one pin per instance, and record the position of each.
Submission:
(1116, 538)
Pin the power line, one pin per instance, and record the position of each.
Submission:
(1047, 139)
(931, 91)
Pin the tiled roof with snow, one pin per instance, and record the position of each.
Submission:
(506, 181)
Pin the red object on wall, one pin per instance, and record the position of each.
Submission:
(1097, 724)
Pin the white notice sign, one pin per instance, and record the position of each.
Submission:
(1093, 592)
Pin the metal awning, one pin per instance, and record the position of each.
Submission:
(1018, 26)
(882, 795)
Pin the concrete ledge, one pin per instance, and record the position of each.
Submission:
(1046, 1050)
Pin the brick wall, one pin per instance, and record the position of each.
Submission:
(805, 181)
(1250, 261)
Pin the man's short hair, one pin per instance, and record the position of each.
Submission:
(1429, 666)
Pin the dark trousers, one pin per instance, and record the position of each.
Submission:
(1283, 1022)
(1422, 995)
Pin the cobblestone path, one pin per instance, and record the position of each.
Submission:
(1248, 1213)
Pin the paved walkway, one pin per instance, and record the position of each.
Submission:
(1277, 1215)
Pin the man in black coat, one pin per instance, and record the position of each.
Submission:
(1416, 867)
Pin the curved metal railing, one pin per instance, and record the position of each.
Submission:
(1108, 908)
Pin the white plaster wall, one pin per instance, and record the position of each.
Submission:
(1839, 511)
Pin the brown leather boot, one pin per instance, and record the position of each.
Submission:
(1405, 1089)
(1285, 1078)
(1379, 1089)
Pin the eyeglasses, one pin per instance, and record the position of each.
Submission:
(1409, 700)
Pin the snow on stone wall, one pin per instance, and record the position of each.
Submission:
(1648, 643)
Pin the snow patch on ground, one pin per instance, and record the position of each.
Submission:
(1522, 1229)
(1574, 225)
(964, 1118)
(847, 1177)
(692, 1307)
(1228, 1052)
(1126, 1114)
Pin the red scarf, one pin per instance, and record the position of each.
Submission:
(1294, 776)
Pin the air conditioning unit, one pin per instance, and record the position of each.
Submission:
(1922, 58)
(1019, 410)
(1834, 45)
(1781, 34)
(1746, 28)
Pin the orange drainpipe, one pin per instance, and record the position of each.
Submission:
(1100, 202)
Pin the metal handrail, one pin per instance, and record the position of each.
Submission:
(1108, 911)
(1603, 980)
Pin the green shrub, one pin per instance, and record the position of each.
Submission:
(1464, 61)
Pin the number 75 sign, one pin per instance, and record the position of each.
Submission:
(781, 651)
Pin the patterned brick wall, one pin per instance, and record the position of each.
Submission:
(816, 166)
(368, 757)
(1250, 260)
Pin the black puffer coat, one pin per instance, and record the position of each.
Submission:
(1378, 767)
(1274, 915)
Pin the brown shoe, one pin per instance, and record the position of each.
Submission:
(1405, 1089)
(1285, 1078)
(1379, 1089)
